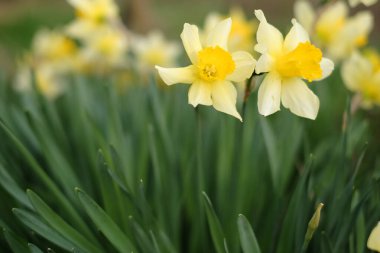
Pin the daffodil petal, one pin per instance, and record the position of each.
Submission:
(305, 14)
(264, 64)
(244, 66)
(327, 67)
(269, 96)
(191, 41)
(373, 242)
(355, 70)
(269, 38)
(218, 36)
(300, 100)
(224, 96)
(296, 35)
(200, 93)
(177, 75)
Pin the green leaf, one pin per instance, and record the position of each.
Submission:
(34, 249)
(105, 224)
(247, 236)
(34, 223)
(57, 223)
(214, 225)
(17, 244)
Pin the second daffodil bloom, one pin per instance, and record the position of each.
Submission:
(373, 242)
(213, 68)
(288, 61)
(367, 3)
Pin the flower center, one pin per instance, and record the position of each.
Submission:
(214, 63)
(304, 62)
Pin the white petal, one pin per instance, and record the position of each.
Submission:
(374, 239)
(300, 100)
(327, 67)
(224, 96)
(177, 75)
(269, 96)
(200, 93)
(244, 66)
(305, 14)
(269, 38)
(264, 64)
(191, 41)
(218, 36)
(296, 35)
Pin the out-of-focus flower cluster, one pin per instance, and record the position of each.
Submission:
(96, 42)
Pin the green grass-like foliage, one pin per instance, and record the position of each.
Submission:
(139, 170)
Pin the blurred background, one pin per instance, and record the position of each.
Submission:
(20, 19)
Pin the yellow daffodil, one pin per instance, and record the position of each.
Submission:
(354, 3)
(48, 81)
(288, 61)
(97, 11)
(333, 30)
(106, 48)
(153, 50)
(54, 47)
(361, 74)
(373, 242)
(213, 68)
(242, 30)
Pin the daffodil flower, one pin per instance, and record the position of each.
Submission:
(361, 74)
(213, 68)
(286, 62)
(333, 30)
(95, 10)
(373, 242)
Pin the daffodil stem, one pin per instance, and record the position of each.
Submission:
(247, 93)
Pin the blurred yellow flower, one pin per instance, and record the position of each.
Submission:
(333, 30)
(54, 46)
(242, 30)
(374, 239)
(48, 81)
(97, 11)
(213, 68)
(105, 48)
(354, 3)
(361, 74)
(288, 61)
(153, 50)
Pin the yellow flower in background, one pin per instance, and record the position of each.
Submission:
(106, 48)
(153, 49)
(49, 81)
(373, 242)
(242, 30)
(361, 74)
(288, 61)
(213, 68)
(54, 46)
(333, 30)
(354, 3)
(97, 11)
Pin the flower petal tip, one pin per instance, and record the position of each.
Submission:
(260, 15)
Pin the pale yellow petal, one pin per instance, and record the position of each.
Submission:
(327, 67)
(269, 96)
(354, 3)
(355, 71)
(224, 96)
(269, 38)
(296, 35)
(244, 66)
(264, 64)
(200, 94)
(177, 75)
(300, 100)
(191, 41)
(373, 242)
(218, 36)
(305, 14)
